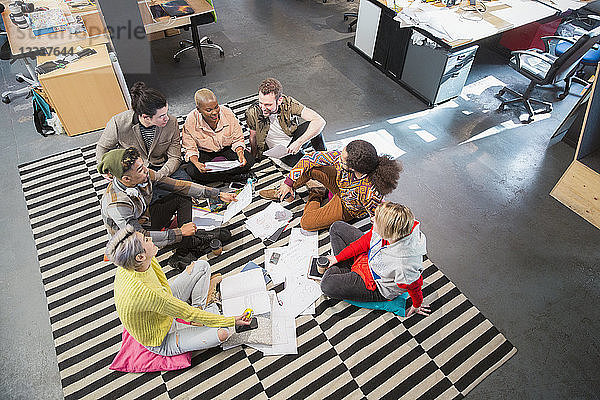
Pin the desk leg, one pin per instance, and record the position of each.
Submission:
(197, 45)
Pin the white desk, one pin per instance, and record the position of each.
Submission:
(456, 27)
(386, 40)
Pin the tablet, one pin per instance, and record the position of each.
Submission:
(313, 273)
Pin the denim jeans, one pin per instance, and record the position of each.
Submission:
(190, 286)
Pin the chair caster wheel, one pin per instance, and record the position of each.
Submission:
(345, 18)
(349, 29)
(182, 45)
(209, 41)
(222, 53)
(6, 99)
(19, 79)
(501, 107)
(176, 59)
(561, 96)
(501, 93)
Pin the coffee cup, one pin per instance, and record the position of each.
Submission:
(322, 264)
(216, 247)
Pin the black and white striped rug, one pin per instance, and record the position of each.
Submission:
(343, 351)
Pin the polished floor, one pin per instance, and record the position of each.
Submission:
(481, 190)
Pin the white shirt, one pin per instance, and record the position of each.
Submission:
(276, 135)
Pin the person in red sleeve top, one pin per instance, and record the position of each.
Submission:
(382, 263)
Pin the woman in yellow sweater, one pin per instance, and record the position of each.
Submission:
(147, 304)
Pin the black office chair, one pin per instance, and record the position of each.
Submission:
(544, 68)
(196, 42)
(351, 15)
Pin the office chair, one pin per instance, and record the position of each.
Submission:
(351, 15)
(32, 82)
(196, 42)
(544, 68)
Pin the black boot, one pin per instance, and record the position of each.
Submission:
(203, 239)
(181, 258)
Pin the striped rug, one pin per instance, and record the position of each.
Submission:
(343, 351)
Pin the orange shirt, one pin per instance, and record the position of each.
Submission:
(199, 136)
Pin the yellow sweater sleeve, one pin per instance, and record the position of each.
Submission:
(167, 304)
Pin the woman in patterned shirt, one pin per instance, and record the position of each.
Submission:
(354, 179)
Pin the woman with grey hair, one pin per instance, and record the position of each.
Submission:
(148, 305)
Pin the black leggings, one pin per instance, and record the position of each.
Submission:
(317, 143)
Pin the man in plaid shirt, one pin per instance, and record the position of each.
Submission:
(126, 200)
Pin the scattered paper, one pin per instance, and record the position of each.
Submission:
(273, 256)
(310, 310)
(216, 166)
(278, 151)
(306, 239)
(264, 224)
(244, 198)
(283, 333)
(299, 294)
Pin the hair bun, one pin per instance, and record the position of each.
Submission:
(138, 88)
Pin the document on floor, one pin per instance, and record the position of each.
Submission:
(299, 294)
(264, 224)
(283, 333)
(278, 151)
(244, 198)
(288, 261)
(244, 290)
(308, 240)
(273, 256)
(206, 220)
(217, 166)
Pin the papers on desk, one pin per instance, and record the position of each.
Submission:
(217, 166)
(264, 224)
(244, 198)
(47, 21)
(245, 290)
(278, 151)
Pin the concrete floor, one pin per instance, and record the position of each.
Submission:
(527, 262)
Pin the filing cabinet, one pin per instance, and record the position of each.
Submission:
(436, 74)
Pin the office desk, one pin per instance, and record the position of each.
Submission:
(565, 5)
(438, 74)
(23, 41)
(85, 94)
(152, 25)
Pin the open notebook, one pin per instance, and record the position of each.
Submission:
(245, 290)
